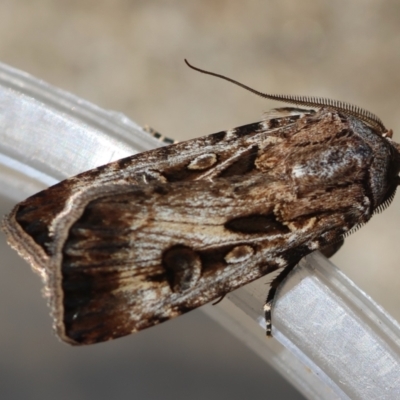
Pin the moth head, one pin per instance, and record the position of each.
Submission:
(392, 175)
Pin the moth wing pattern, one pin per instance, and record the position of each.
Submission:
(190, 161)
(157, 135)
(139, 241)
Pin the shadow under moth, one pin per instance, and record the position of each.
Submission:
(144, 239)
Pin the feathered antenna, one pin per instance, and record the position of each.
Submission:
(346, 108)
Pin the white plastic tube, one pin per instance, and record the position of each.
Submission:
(330, 339)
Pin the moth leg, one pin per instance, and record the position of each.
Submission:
(327, 251)
(219, 300)
(271, 297)
(158, 135)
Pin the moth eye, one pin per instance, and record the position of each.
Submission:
(239, 254)
(183, 267)
(203, 161)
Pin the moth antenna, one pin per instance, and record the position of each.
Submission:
(346, 108)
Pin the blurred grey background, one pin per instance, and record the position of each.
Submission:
(128, 56)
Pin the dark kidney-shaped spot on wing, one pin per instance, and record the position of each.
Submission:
(183, 267)
(256, 224)
(241, 166)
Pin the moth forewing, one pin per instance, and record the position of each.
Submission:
(124, 271)
(33, 217)
(144, 239)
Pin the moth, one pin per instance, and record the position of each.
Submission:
(144, 239)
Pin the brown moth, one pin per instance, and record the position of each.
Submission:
(144, 239)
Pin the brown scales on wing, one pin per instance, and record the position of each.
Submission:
(144, 239)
